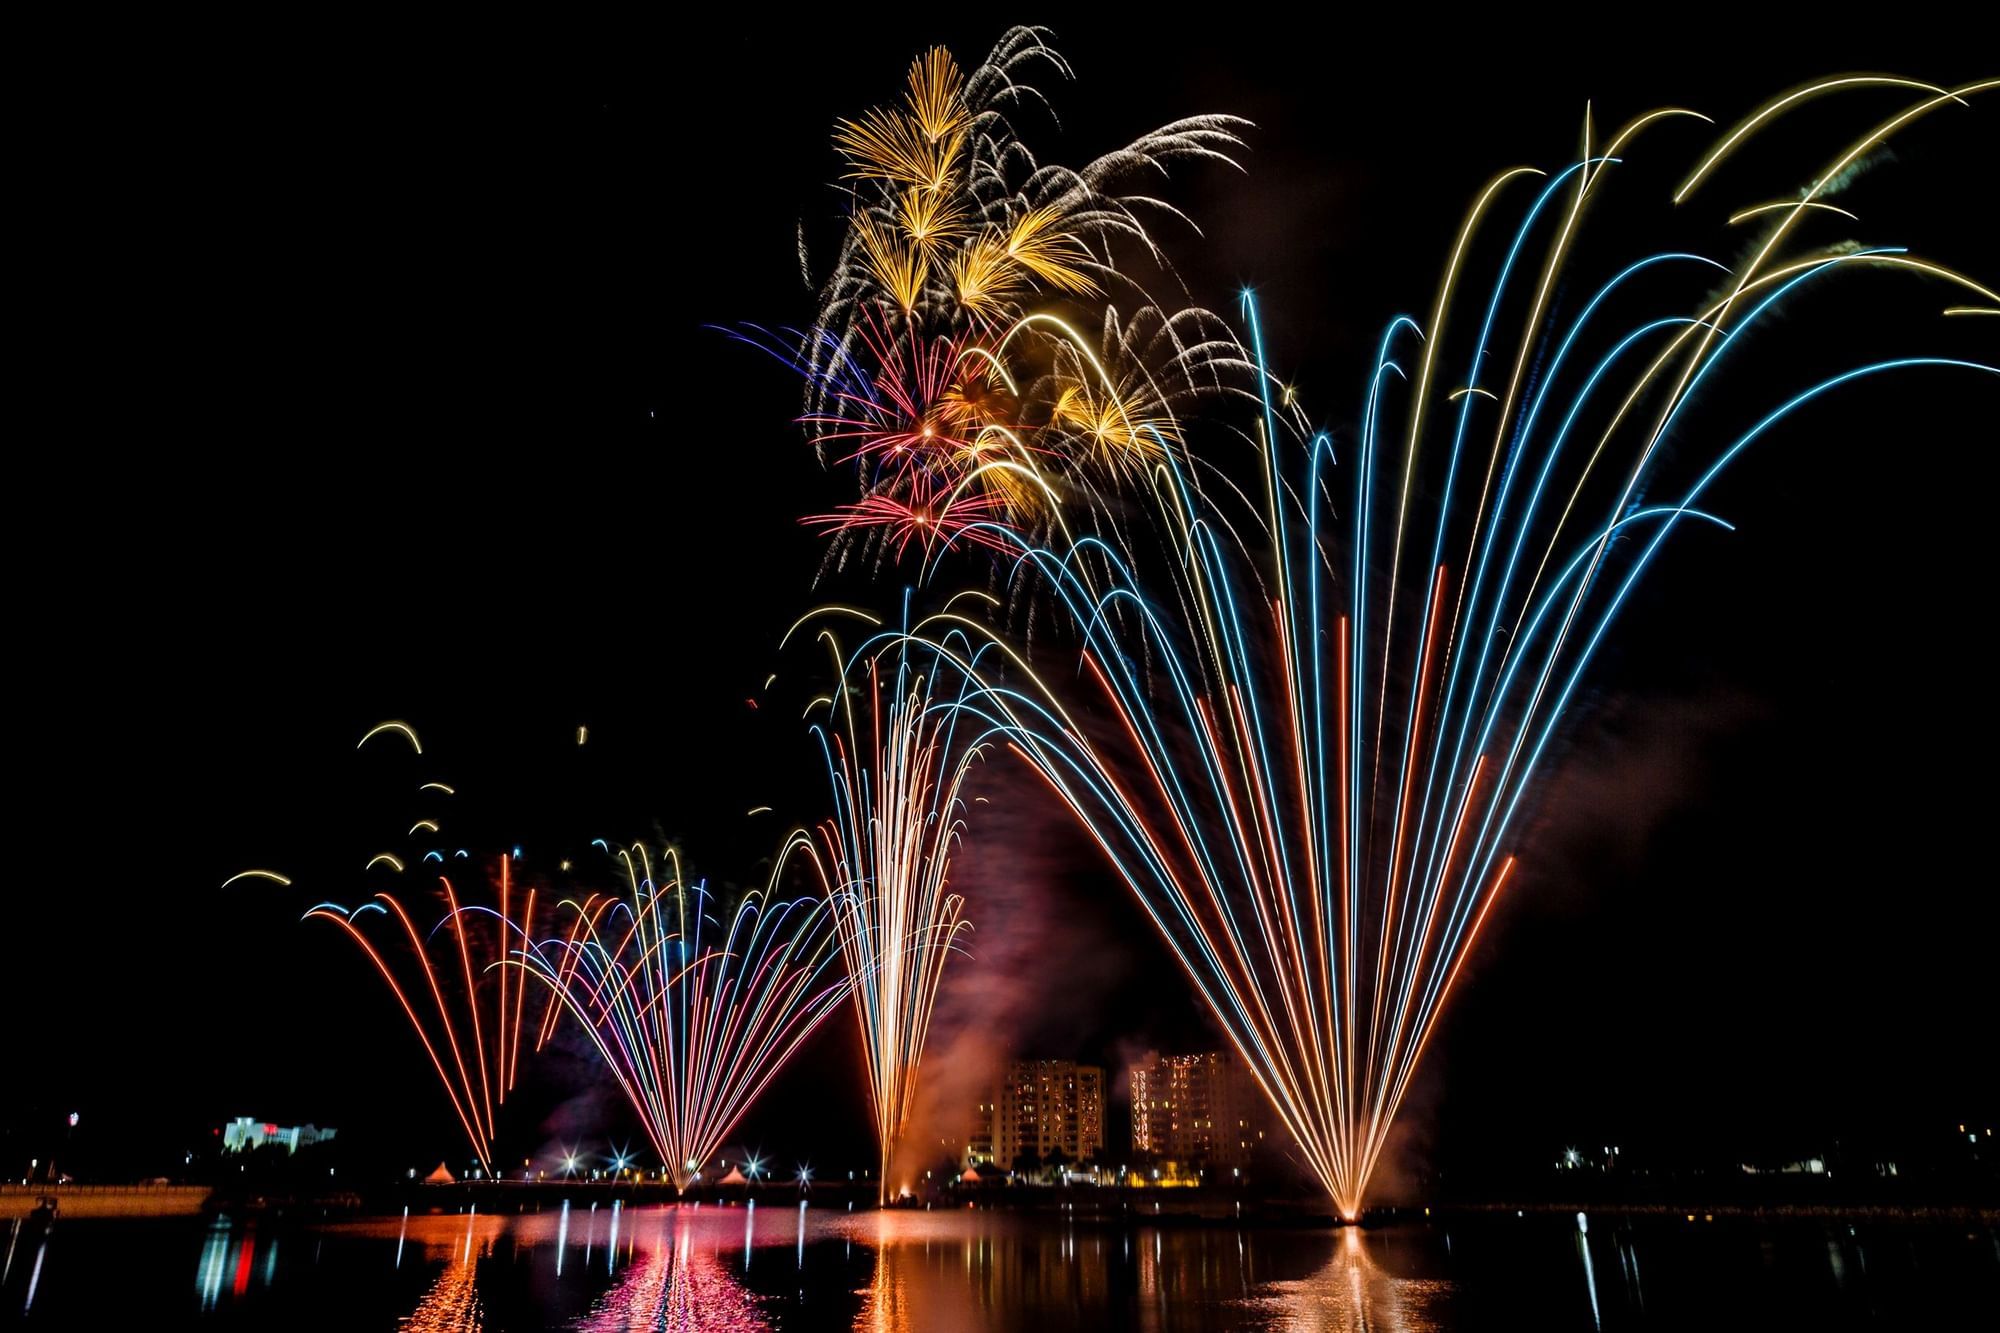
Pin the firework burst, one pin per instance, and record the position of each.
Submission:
(941, 365)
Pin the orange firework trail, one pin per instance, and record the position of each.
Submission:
(463, 1008)
(467, 1014)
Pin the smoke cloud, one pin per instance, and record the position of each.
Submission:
(1029, 976)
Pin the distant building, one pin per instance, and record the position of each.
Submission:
(979, 1134)
(246, 1135)
(1196, 1110)
(1040, 1108)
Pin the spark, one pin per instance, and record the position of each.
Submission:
(271, 875)
(402, 727)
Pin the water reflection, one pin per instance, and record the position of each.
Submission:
(1589, 1273)
(677, 1282)
(562, 1237)
(723, 1268)
(1355, 1291)
(1628, 1267)
(452, 1303)
(214, 1258)
(35, 1274)
(459, 1241)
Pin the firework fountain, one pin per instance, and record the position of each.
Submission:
(694, 1016)
(1306, 746)
(455, 987)
(445, 979)
(896, 763)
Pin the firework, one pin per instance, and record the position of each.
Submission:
(939, 365)
(897, 766)
(1306, 750)
(467, 1016)
(458, 1002)
(693, 1016)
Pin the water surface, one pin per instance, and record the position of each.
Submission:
(776, 1266)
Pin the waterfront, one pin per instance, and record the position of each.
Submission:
(778, 1266)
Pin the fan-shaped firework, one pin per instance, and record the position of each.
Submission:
(458, 1002)
(693, 1016)
(897, 766)
(443, 977)
(938, 365)
(1311, 766)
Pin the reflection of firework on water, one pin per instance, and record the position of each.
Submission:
(679, 1282)
(452, 1304)
(466, 1011)
(693, 1016)
(1355, 1292)
(897, 767)
(935, 365)
(1307, 753)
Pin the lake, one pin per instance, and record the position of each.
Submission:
(777, 1266)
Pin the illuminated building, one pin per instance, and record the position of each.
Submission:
(1041, 1108)
(1196, 1110)
(246, 1135)
(979, 1135)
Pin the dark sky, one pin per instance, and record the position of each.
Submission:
(381, 388)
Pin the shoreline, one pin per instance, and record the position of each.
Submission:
(79, 1202)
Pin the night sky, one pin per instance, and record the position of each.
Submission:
(386, 390)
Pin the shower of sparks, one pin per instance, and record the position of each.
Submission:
(693, 1015)
(1305, 744)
